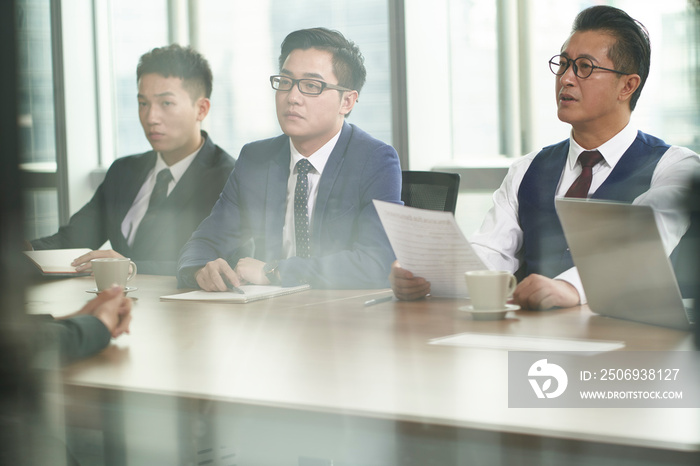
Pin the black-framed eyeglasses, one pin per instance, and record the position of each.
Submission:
(583, 66)
(305, 85)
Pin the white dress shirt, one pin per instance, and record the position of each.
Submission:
(318, 160)
(499, 241)
(138, 209)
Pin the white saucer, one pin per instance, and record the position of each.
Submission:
(490, 314)
(126, 290)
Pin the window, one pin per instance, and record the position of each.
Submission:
(666, 108)
(478, 77)
(36, 119)
(478, 86)
(480, 91)
(136, 27)
(242, 41)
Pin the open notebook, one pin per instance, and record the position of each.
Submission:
(56, 262)
(250, 293)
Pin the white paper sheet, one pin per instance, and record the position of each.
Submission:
(430, 244)
(249, 294)
(526, 343)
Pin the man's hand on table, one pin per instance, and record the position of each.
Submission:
(539, 292)
(217, 275)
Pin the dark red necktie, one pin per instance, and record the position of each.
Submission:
(582, 184)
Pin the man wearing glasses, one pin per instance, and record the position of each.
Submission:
(600, 74)
(298, 208)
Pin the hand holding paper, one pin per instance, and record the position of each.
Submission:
(430, 244)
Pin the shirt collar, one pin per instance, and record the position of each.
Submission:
(318, 159)
(611, 150)
(179, 168)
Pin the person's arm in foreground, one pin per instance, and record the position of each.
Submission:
(89, 330)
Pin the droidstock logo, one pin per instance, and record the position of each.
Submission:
(541, 374)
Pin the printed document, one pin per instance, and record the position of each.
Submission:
(430, 244)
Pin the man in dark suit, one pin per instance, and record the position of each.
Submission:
(149, 204)
(298, 208)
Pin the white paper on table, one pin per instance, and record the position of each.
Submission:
(527, 343)
(430, 244)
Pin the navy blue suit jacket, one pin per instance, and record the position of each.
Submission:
(160, 235)
(348, 245)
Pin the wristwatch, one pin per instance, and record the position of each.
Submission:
(272, 272)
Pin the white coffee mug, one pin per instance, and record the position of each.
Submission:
(112, 271)
(489, 289)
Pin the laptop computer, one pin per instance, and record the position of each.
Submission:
(622, 263)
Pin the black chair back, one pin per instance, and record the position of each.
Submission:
(430, 190)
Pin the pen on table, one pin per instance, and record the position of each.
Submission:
(372, 302)
(230, 287)
(235, 289)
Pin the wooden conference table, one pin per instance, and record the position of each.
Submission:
(316, 378)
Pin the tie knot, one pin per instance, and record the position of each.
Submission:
(589, 158)
(304, 167)
(164, 176)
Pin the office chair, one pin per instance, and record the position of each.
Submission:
(430, 190)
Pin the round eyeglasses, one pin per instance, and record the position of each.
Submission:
(306, 86)
(583, 66)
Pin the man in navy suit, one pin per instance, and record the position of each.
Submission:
(145, 219)
(298, 208)
(599, 76)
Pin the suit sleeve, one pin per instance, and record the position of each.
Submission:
(366, 262)
(87, 228)
(221, 234)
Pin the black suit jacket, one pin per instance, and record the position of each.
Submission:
(161, 235)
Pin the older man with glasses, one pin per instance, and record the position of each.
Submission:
(298, 208)
(600, 73)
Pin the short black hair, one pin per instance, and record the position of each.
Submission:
(180, 62)
(632, 51)
(348, 62)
